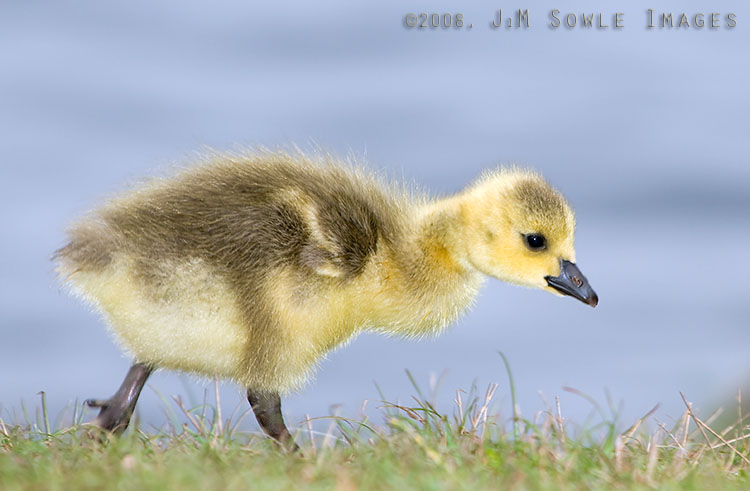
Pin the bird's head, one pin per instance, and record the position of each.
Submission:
(521, 230)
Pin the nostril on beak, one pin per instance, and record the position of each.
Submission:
(577, 281)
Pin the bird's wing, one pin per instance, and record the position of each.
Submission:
(342, 236)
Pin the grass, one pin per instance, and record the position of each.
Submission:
(415, 447)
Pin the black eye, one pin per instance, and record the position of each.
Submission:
(536, 242)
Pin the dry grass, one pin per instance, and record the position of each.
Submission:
(416, 446)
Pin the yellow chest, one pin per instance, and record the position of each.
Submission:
(317, 317)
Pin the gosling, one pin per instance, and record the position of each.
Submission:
(252, 267)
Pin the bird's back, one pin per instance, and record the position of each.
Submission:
(243, 215)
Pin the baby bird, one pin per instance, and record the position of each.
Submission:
(252, 267)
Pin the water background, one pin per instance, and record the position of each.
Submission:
(645, 131)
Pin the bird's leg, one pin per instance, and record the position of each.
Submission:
(267, 409)
(115, 412)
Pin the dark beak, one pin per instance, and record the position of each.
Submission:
(572, 282)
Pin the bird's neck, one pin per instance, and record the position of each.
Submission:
(439, 239)
(437, 282)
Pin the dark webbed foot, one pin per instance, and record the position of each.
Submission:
(116, 411)
(267, 409)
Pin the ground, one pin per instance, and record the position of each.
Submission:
(414, 447)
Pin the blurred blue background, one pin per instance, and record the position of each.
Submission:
(645, 131)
